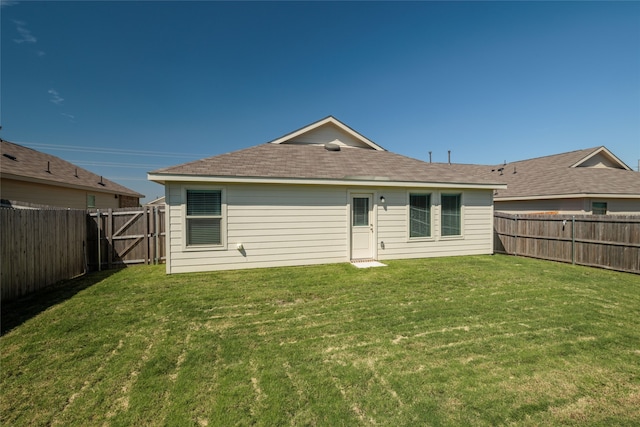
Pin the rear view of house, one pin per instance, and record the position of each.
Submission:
(321, 194)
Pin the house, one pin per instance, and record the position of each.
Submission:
(33, 177)
(321, 194)
(590, 181)
(156, 202)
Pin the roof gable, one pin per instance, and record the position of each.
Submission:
(325, 131)
(601, 158)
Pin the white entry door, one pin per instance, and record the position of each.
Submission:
(361, 226)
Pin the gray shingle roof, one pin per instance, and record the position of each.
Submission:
(19, 162)
(554, 176)
(294, 161)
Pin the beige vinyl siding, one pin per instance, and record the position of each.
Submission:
(621, 206)
(277, 226)
(574, 206)
(51, 195)
(599, 161)
(286, 225)
(477, 227)
(326, 134)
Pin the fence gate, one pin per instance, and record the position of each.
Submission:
(118, 237)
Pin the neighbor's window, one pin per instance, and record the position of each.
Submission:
(451, 215)
(91, 201)
(204, 217)
(599, 208)
(419, 215)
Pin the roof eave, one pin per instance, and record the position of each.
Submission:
(565, 196)
(163, 178)
(67, 185)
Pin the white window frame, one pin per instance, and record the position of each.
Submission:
(454, 236)
(432, 233)
(223, 220)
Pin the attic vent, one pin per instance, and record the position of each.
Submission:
(10, 157)
(330, 146)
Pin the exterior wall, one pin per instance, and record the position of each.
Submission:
(477, 226)
(52, 195)
(128, 201)
(285, 225)
(277, 226)
(577, 206)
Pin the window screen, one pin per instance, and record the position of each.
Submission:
(204, 217)
(451, 215)
(360, 211)
(204, 202)
(419, 215)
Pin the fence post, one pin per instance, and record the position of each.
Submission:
(573, 239)
(110, 238)
(156, 220)
(515, 250)
(145, 224)
(99, 221)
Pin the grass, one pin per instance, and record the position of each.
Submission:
(487, 340)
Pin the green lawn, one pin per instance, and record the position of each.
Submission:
(486, 340)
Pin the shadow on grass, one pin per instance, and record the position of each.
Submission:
(17, 311)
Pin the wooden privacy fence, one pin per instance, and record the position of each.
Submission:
(606, 241)
(118, 237)
(39, 248)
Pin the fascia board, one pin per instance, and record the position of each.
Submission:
(163, 178)
(566, 196)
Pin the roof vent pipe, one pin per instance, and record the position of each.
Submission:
(48, 167)
(449, 151)
(429, 156)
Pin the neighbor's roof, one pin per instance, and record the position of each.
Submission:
(581, 173)
(25, 164)
(315, 162)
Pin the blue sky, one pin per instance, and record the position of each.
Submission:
(122, 88)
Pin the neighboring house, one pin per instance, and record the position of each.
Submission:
(156, 202)
(591, 181)
(321, 194)
(33, 177)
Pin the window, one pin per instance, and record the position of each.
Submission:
(91, 201)
(204, 217)
(360, 211)
(451, 215)
(419, 215)
(599, 208)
